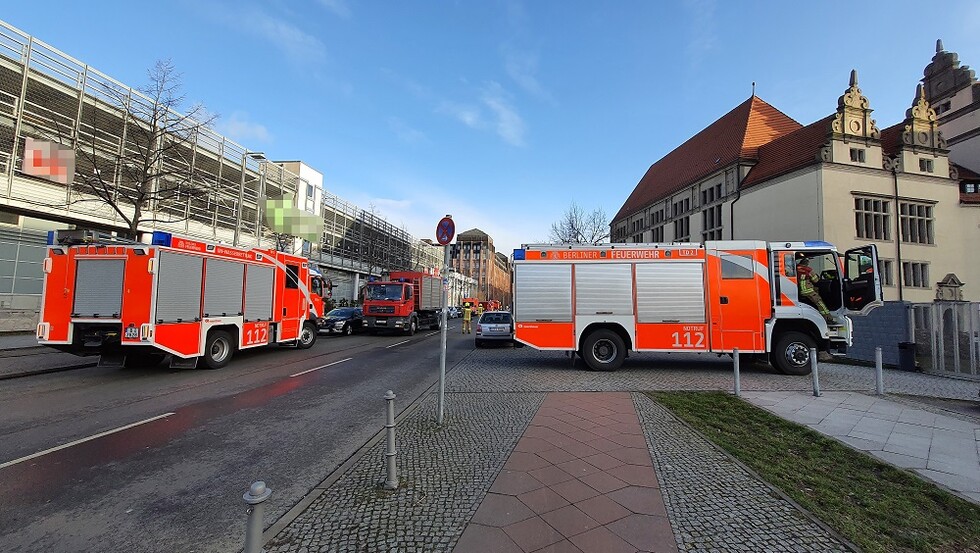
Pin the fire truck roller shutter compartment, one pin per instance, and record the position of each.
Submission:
(604, 289)
(431, 298)
(258, 293)
(98, 288)
(179, 287)
(544, 312)
(223, 285)
(670, 292)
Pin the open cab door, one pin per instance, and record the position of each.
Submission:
(862, 283)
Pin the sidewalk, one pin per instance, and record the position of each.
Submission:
(530, 460)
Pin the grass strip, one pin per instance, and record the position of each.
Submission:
(876, 506)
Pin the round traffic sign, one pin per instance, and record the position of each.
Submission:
(445, 231)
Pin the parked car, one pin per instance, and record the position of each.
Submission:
(454, 312)
(343, 320)
(495, 326)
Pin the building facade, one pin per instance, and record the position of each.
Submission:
(48, 95)
(756, 173)
(473, 255)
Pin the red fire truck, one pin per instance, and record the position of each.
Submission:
(603, 301)
(134, 303)
(406, 301)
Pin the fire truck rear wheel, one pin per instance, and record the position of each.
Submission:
(307, 336)
(603, 350)
(792, 353)
(218, 349)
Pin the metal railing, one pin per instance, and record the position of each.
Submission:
(947, 337)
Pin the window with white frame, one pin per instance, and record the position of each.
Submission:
(915, 274)
(711, 223)
(872, 218)
(857, 155)
(916, 222)
(925, 165)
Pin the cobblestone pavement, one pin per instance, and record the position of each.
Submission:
(527, 369)
(444, 474)
(713, 503)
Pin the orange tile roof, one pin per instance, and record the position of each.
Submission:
(735, 136)
(790, 152)
(891, 139)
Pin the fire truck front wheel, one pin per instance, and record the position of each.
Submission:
(307, 336)
(792, 353)
(603, 350)
(218, 349)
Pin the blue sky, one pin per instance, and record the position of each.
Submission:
(501, 113)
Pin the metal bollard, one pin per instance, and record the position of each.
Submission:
(814, 373)
(254, 497)
(879, 377)
(391, 480)
(738, 383)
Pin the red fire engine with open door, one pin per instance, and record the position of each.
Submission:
(133, 303)
(603, 301)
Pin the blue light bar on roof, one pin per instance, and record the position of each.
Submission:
(51, 237)
(518, 255)
(817, 244)
(161, 238)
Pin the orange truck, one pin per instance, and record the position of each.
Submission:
(405, 302)
(490, 305)
(133, 303)
(607, 300)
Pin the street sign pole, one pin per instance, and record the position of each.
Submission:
(445, 231)
(442, 339)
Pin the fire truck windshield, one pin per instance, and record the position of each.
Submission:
(383, 292)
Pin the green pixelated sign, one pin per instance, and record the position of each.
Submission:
(282, 216)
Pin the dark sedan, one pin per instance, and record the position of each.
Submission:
(343, 320)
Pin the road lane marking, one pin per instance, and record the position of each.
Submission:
(398, 344)
(83, 440)
(318, 368)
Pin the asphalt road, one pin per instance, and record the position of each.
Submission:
(175, 482)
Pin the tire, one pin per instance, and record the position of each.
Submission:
(348, 329)
(307, 336)
(791, 354)
(218, 349)
(436, 325)
(603, 350)
(413, 325)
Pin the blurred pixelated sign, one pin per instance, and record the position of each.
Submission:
(282, 216)
(49, 160)
(445, 230)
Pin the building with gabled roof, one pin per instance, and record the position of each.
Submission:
(474, 255)
(755, 173)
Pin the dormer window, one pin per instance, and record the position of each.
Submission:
(925, 165)
(857, 155)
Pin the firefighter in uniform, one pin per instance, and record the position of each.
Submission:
(467, 315)
(808, 288)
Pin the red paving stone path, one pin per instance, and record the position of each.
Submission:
(580, 480)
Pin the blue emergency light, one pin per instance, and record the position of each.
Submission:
(161, 238)
(519, 255)
(817, 244)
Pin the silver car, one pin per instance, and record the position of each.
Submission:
(495, 326)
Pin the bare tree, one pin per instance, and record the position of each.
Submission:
(578, 227)
(152, 175)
